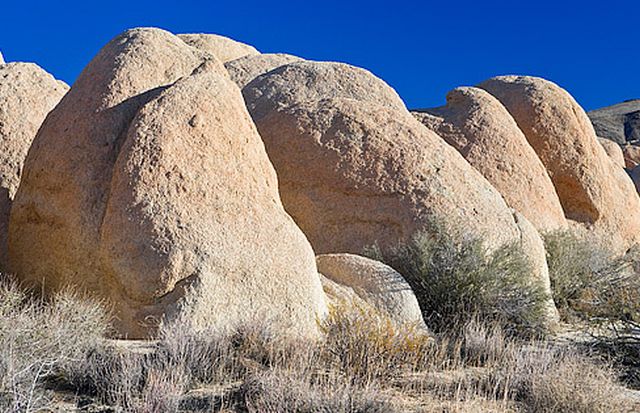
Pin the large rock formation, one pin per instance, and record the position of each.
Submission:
(245, 69)
(27, 94)
(483, 131)
(619, 123)
(592, 189)
(224, 48)
(366, 284)
(354, 173)
(149, 186)
(301, 82)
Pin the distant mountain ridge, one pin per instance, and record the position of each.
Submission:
(619, 123)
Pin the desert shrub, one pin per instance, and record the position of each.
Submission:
(592, 286)
(41, 339)
(589, 283)
(369, 347)
(276, 391)
(457, 279)
(484, 365)
(364, 363)
(556, 380)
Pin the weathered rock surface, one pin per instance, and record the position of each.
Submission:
(224, 48)
(613, 150)
(619, 123)
(352, 280)
(245, 69)
(27, 94)
(302, 82)
(591, 188)
(363, 173)
(149, 186)
(631, 155)
(482, 130)
(1, 58)
(532, 244)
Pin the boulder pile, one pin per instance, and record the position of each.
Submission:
(191, 179)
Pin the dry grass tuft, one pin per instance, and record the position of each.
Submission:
(601, 291)
(41, 339)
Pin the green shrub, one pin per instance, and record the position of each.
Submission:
(457, 280)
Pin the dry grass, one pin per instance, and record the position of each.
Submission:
(364, 364)
(39, 340)
(601, 291)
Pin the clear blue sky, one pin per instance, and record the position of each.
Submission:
(421, 48)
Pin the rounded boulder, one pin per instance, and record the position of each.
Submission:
(593, 191)
(149, 186)
(482, 130)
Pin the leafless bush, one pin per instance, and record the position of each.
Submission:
(599, 289)
(364, 364)
(41, 338)
(277, 391)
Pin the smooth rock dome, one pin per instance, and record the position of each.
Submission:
(364, 174)
(302, 82)
(245, 69)
(482, 130)
(149, 186)
(27, 94)
(224, 48)
(352, 280)
(593, 191)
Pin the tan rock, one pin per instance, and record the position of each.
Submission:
(482, 130)
(149, 186)
(362, 282)
(532, 244)
(613, 150)
(27, 94)
(245, 69)
(631, 155)
(302, 82)
(355, 173)
(365, 171)
(224, 48)
(591, 188)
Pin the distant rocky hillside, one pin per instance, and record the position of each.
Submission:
(619, 122)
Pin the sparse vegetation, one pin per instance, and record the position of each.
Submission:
(55, 352)
(365, 364)
(601, 291)
(458, 280)
(41, 340)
